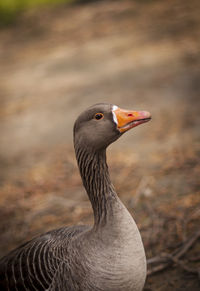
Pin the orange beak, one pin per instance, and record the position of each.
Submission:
(128, 119)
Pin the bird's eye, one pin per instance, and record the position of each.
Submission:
(98, 116)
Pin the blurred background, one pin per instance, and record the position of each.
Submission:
(59, 57)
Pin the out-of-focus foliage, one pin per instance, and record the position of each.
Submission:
(10, 9)
(139, 54)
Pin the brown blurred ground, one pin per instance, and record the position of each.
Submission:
(135, 54)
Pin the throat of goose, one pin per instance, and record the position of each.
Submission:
(106, 256)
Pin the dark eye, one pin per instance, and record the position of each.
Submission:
(98, 116)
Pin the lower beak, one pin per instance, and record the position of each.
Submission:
(129, 119)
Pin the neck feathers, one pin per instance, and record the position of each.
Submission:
(96, 180)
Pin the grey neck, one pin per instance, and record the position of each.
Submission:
(96, 180)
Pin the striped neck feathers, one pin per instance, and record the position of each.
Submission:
(96, 180)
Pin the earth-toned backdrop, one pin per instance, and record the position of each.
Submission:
(55, 62)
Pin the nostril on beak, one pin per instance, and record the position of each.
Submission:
(130, 114)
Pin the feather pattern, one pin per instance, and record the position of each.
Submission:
(34, 265)
(107, 256)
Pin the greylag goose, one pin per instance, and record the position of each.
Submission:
(106, 256)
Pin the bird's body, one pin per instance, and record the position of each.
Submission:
(108, 256)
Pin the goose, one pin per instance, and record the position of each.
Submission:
(107, 256)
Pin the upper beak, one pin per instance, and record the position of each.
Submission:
(129, 119)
